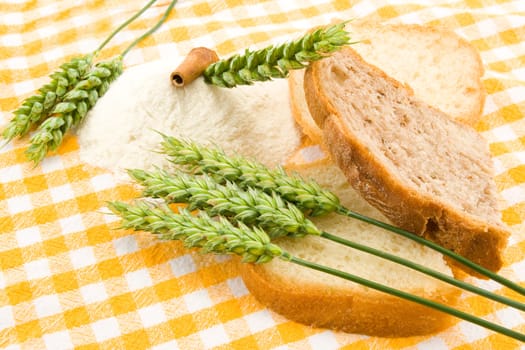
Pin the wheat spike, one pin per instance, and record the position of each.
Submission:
(37, 107)
(276, 61)
(72, 110)
(252, 207)
(217, 236)
(306, 195)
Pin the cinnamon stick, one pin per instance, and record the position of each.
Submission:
(193, 65)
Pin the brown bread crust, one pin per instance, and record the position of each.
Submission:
(371, 312)
(478, 241)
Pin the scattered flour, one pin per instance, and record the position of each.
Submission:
(253, 121)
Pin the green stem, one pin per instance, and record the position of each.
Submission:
(475, 267)
(152, 30)
(123, 25)
(436, 274)
(407, 296)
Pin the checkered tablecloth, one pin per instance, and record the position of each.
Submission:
(68, 279)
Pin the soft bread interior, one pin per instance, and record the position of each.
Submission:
(328, 253)
(443, 69)
(424, 171)
(418, 145)
(322, 300)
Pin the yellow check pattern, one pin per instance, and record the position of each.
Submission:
(69, 279)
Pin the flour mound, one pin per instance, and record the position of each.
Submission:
(119, 132)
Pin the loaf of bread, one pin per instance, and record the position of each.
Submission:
(321, 300)
(424, 171)
(443, 69)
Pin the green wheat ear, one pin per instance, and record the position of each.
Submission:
(76, 103)
(38, 107)
(73, 109)
(251, 207)
(217, 235)
(276, 61)
(306, 195)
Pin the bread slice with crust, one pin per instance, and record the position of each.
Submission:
(320, 300)
(425, 172)
(317, 299)
(443, 69)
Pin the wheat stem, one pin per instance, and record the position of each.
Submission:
(407, 296)
(125, 24)
(427, 271)
(276, 61)
(412, 236)
(152, 30)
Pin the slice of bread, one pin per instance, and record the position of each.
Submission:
(321, 300)
(443, 69)
(424, 171)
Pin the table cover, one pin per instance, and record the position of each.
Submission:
(69, 279)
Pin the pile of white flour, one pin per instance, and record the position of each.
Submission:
(253, 121)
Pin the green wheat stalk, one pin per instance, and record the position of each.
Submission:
(220, 236)
(276, 61)
(277, 217)
(217, 236)
(75, 105)
(73, 109)
(38, 107)
(252, 207)
(307, 196)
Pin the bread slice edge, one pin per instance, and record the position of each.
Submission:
(478, 241)
(372, 313)
(470, 115)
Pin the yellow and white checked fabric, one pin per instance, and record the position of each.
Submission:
(68, 279)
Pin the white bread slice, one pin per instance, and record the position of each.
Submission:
(317, 299)
(443, 69)
(425, 172)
